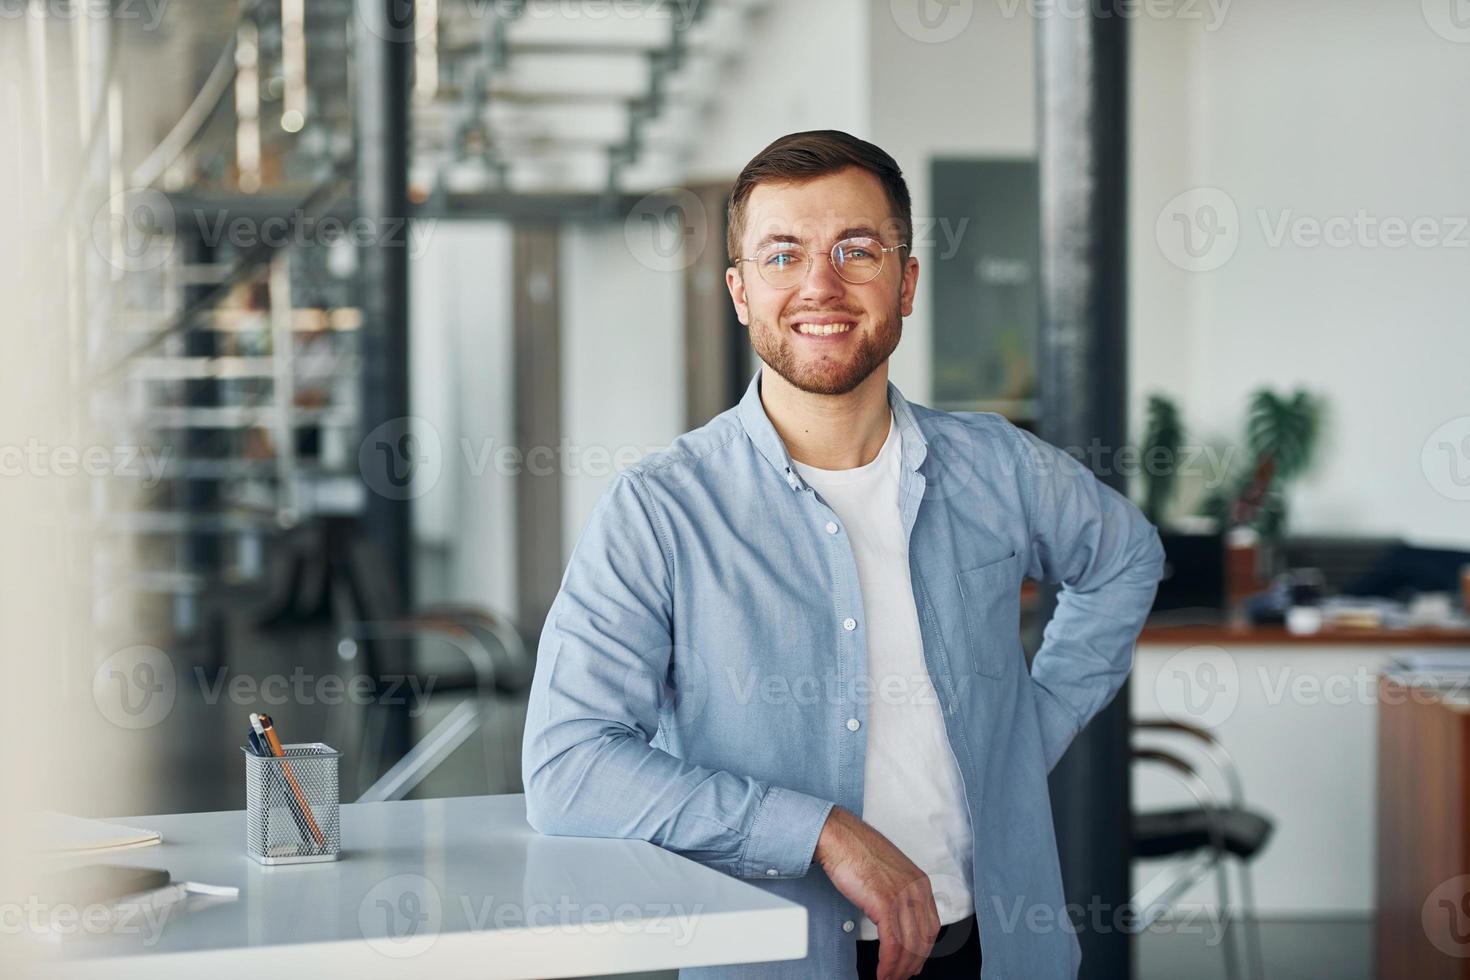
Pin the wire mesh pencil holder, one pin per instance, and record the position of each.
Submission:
(292, 814)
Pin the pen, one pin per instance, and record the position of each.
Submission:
(267, 734)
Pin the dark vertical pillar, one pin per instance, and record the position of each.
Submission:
(383, 48)
(714, 339)
(537, 358)
(1083, 135)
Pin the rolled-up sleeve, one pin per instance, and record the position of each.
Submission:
(604, 668)
(1108, 559)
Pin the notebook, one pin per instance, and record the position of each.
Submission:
(64, 834)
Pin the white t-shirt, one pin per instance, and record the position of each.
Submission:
(912, 791)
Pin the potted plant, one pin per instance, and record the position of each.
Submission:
(1163, 441)
(1282, 433)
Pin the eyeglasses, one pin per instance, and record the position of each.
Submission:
(857, 260)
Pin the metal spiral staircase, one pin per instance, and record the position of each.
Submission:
(229, 356)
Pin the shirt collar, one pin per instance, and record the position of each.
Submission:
(763, 434)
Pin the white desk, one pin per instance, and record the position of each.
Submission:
(438, 888)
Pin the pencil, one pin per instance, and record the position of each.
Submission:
(268, 732)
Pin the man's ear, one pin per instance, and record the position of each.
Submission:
(908, 287)
(736, 284)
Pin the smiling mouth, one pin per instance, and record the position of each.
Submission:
(823, 329)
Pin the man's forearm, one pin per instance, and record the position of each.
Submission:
(617, 785)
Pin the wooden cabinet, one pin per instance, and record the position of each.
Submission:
(1423, 831)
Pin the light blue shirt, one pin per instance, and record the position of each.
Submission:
(701, 678)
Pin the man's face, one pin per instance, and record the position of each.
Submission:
(824, 334)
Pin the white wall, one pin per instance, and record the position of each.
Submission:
(972, 94)
(461, 372)
(801, 52)
(622, 349)
(1313, 109)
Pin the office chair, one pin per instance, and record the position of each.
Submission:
(1203, 836)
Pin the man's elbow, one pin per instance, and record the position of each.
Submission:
(547, 800)
(1148, 553)
(547, 807)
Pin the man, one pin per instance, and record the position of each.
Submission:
(787, 647)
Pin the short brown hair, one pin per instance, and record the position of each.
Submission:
(806, 156)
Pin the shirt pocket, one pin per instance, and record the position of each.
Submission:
(991, 596)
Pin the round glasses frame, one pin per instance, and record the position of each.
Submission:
(846, 243)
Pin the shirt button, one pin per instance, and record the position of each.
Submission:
(849, 926)
(831, 527)
(849, 624)
(771, 872)
(853, 724)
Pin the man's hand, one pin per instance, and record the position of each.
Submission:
(889, 888)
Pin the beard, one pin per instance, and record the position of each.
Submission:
(826, 374)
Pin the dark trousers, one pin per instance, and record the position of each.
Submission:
(955, 956)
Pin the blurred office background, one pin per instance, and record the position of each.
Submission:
(329, 325)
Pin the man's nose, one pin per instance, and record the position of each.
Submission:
(822, 281)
